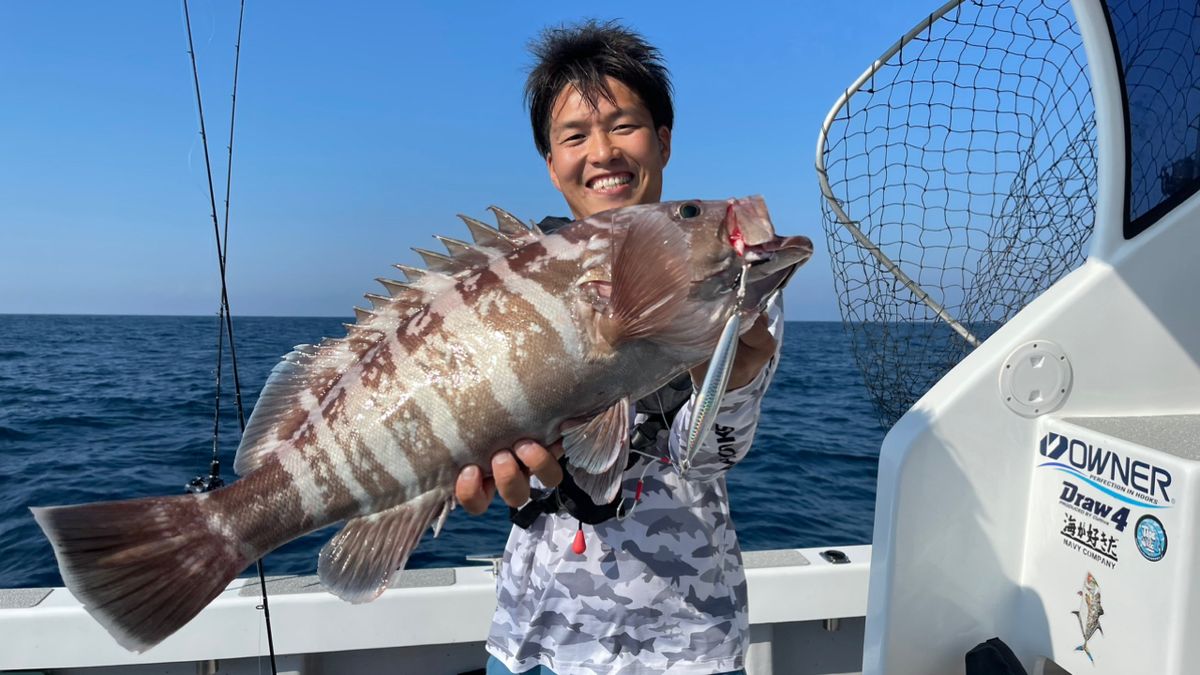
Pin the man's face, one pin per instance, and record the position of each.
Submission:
(609, 156)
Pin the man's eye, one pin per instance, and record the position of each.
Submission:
(573, 139)
(625, 127)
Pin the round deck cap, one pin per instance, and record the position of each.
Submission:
(1035, 379)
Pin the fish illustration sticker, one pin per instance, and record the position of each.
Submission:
(1089, 613)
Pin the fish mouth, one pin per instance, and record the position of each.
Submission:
(778, 261)
(771, 260)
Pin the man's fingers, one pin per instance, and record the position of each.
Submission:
(474, 491)
(511, 481)
(756, 348)
(759, 336)
(540, 461)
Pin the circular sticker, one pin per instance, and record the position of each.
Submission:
(1151, 538)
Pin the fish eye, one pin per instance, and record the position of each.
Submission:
(689, 210)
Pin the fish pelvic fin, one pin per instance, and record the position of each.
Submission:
(357, 564)
(143, 568)
(603, 487)
(598, 450)
(597, 444)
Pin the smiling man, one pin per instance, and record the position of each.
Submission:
(606, 153)
(587, 587)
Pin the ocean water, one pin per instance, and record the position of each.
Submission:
(112, 407)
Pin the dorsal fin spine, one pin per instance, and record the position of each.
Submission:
(376, 300)
(412, 273)
(486, 235)
(395, 288)
(455, 247)
(509, 224)
(437, 262)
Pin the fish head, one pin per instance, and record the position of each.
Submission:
(767, 259)
(679, 270)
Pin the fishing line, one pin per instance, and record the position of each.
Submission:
(225, 318)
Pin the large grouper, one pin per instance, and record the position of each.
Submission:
(521, 334)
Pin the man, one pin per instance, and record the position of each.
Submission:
(658, 586)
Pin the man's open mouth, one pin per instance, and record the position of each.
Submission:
(610, 182)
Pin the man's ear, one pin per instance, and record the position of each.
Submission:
(664, 142)
(550, 168)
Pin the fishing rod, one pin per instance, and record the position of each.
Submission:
(225, 318)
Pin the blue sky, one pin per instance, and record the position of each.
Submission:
(362, 129)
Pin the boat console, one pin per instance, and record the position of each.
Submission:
(1045, 491)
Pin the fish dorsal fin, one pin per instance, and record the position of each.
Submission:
(488, 237)
(440, 269)
(404, 293)
(464, 252)
(651, 279)
(509, 224)
(300, 378)
(594, 445)
(413, 274)
(438, 262)
(376, 300)
(357, 564)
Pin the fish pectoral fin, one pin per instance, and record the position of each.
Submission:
(357, 564)
(651, 278)
(597, 444)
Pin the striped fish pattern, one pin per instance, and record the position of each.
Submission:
(518, 335)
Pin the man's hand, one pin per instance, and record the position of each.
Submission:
(755, 349)
(510, 476)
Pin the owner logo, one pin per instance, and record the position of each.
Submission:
(1122, 478)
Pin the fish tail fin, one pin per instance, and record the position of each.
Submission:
(143, 567)
(1083, 648)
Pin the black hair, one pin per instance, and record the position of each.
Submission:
(582, 55)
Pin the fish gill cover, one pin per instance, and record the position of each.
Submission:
(968, 159)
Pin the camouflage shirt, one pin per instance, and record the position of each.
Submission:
(662, 590)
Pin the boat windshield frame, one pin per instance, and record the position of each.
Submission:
(1163, 184)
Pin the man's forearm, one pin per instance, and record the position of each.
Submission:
(736, 420)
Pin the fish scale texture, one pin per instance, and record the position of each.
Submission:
(662, 591)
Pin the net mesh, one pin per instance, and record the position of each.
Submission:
(968, 159)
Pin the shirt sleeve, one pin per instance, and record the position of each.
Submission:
(736, 420)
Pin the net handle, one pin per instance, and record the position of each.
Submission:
(827, 192)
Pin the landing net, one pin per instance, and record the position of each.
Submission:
(961, 180)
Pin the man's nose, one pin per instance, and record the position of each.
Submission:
(602, 149)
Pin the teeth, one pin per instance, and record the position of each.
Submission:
(609, 182)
